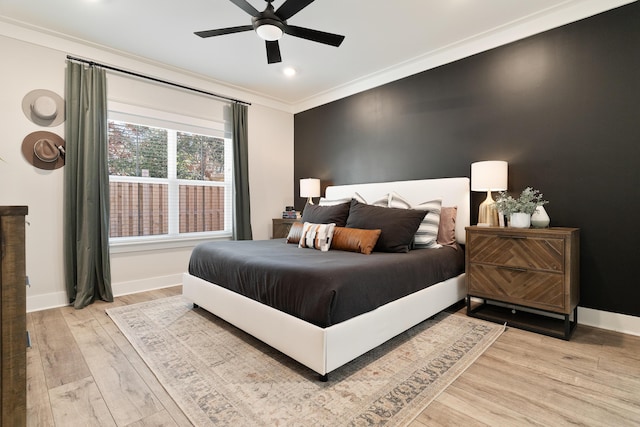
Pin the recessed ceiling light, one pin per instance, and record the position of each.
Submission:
(289, 72)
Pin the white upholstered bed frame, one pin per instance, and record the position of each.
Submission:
(325, 349)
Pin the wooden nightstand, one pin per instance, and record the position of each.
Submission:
(281, 227)
(510, 268)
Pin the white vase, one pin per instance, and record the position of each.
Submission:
(540, 219)
(520, 220)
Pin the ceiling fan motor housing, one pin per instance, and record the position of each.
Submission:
(268, 17)
(259, 21)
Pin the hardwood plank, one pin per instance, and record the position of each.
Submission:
(159, 419)
(442, 414)
(555, 381)
(571, 364)
(38, 406)
(62, 360)
(613, 340)
(620, 366)
(495, 403)
(80, 404)
(118, 382)
(553, 401)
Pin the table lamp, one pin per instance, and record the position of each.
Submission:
(488, 176)
(310, 187)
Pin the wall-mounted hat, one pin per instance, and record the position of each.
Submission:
(44, 150)
(43, 107)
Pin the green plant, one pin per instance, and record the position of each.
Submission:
(527, 203)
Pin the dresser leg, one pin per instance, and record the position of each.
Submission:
(569, 325)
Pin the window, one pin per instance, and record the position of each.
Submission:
(169, 176)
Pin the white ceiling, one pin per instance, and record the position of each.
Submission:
(384, 39)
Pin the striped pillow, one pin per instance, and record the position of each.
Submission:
(427, 234)
(316, 236)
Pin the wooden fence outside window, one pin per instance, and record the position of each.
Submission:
(142, 209)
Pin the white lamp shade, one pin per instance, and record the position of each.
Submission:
(310, 187)
(489, 176)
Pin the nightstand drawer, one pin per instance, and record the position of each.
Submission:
(281, 227)
(534, 289)
(536, 253)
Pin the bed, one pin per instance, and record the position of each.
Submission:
(323, 341)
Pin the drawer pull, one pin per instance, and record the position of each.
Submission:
(512, 237)
(513, 268)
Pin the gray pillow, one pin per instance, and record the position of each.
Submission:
(336, 214)
(398, 226)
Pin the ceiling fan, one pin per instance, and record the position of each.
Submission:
(271, 24)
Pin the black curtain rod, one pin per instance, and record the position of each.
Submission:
(142, 76)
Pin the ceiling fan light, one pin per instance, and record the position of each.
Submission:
(269, 32)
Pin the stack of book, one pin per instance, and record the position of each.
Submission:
(289, 213)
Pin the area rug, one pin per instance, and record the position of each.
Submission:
(221, 376)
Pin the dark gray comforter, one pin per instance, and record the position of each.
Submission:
(323, 288)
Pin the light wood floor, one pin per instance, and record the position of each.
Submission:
(82, 372)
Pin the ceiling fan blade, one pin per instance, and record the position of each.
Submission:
(291, 7)
(223, 31)
(246, 6)
(314, 35)
(273, 52)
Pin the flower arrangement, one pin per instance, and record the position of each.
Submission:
(527, 203)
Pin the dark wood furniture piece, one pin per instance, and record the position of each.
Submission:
(537, 269)
(281, 227)
(13, 314)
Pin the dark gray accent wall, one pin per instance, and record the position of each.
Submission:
(562, 107)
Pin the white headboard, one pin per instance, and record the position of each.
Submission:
(452, 191)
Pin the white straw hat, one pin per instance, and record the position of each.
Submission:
(43, 107)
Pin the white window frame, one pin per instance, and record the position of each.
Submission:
(176, 123)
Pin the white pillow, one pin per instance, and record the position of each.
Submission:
(427, 234)
(329, 202)
(382, 201)
(316, 236)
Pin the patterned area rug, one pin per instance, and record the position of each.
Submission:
(220, 376)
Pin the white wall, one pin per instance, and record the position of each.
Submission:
(270, 167)
(37, 61)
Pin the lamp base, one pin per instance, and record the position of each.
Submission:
(487, 213)
(310, 201)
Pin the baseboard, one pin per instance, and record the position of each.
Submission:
(47, 301)
(137, 286)
(60, 299)
(608, 320)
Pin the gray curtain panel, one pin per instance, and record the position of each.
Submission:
(242, 211)
(86, 186)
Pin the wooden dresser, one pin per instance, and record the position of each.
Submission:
(13, 332)
(511, 268)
